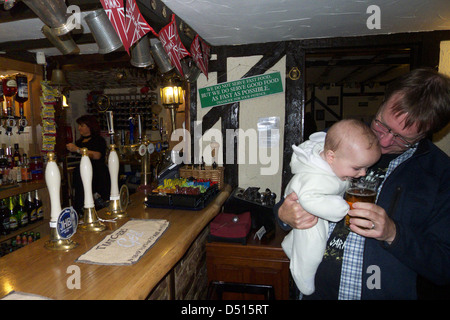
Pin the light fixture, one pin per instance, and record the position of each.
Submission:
(64, 101)
(172, 95)
(58, 79)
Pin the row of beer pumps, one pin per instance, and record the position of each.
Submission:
(14, 88)
(59, 236)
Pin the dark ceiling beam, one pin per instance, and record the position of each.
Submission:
(93, 61)
(381, 73)
(358, 62)
(374, 61)
(329, 67)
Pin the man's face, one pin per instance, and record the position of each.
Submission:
(390, 129)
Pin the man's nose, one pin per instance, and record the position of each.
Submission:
(385, 139)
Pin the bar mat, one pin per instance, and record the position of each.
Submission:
(17, 295)
(127, 244)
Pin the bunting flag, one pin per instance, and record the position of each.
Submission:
(200, 53)
(129, 25)
(172, 44)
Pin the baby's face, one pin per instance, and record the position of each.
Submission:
(353, 162)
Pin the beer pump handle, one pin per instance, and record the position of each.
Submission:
(113, 167)
(86, 178)
(110, 123)
(53, 181)
(131, 126)
(139, 120)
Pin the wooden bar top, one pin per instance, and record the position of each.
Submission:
(35, 269)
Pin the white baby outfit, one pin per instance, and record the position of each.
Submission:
(320, 192)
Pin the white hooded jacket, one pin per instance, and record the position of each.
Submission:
(320, 192)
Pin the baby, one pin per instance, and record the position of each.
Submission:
(321, 166)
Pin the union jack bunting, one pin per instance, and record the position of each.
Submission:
(200, 53)
(172, 44)
(130, 26)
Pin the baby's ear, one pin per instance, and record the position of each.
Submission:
(329, 156)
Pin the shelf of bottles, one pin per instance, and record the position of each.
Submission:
(126, 106)
(16, 167)
(19, 215)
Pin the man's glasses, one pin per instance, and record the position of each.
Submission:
(381, 127)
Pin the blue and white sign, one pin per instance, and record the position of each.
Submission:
(67, 223)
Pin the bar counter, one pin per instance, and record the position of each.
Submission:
(37, 270)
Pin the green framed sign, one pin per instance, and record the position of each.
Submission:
(243, 89)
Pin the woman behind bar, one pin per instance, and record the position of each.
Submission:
(91, 139)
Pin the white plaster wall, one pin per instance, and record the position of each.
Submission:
(254, 160)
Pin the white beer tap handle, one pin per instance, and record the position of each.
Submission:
(53, 181)
(86, 177)
(113, 167)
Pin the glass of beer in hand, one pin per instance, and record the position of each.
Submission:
(359, 190)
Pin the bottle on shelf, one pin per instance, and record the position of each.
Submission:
(16, 156)
(1, 94)
(22, 214)
(13, 220)
(9, 157)
(31, 208)
(24, 239)
(31, 237)
(38, 204)
(22, 92)
(19, 240)
(25, 169)
(3, 166)
(9, 90)
(4, 218)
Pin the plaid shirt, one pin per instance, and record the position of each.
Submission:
(352, 263)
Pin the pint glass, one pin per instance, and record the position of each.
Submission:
(359, 190)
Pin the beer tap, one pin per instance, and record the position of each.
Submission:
(131, 126)
(139, 121)
(115, 207)
(53, 181)
(90, 218)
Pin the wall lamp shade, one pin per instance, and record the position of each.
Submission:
(141, 56)
(172, 95)
(53, 13)
(161, 57)
(63, 43)
(103, 31)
